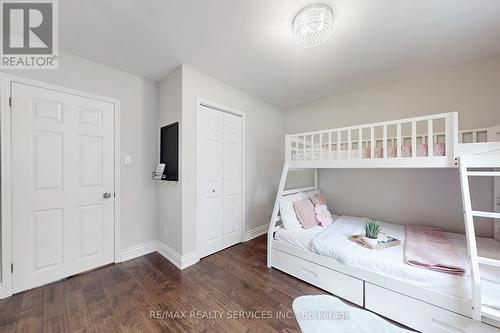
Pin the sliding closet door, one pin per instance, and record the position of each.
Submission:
(232, 179)
(218, 180)
(210, 166)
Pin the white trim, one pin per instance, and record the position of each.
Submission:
(180, 261)
(6, 173)
(255, 232)
(139, 250)
(320, 157)
(117, 182)
(203, 102)
(6, 221)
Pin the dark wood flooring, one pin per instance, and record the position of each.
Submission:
(122, 297)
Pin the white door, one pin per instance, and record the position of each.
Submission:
(219, 154)
(63, 184)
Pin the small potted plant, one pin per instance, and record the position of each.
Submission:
(372, 229)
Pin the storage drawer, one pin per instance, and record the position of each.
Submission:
(339, 284)
(417, 314)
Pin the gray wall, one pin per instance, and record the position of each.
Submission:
(422, 196)
(169, 193)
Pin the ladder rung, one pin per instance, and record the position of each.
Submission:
(483, 173)
(490, 312)
(490, 215)
(489, 261)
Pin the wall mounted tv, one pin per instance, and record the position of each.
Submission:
(169, 151)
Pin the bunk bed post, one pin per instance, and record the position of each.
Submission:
(281, 188)
(470, 235)
(451, 134)
(399, 142)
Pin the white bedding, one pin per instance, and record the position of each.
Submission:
(333, 242)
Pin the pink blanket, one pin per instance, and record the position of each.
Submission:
(427, 247)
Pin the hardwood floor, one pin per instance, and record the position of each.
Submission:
(149, 294)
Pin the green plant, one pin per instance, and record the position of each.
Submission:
(372, 228)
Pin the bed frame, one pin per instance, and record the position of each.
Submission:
(431, 311)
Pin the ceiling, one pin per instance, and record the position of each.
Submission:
(248, 43)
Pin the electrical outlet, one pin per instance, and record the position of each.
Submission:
(165, 231)
(127, 159)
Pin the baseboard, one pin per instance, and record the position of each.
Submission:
(255, 232)
(5, 291)
(138, 250)
(180, 261)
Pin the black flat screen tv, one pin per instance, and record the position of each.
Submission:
(169, 151)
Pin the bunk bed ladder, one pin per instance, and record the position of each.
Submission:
(476, 162)
(275, 218)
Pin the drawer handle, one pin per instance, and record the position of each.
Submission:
(308, 272)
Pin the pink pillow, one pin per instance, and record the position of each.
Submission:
(422, 150)
(439, 149)
(323, 216)
(392, 152)
(367, 153)
(318, 199)
(304, 209)
(406, 151)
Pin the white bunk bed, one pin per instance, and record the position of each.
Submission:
(396, 144)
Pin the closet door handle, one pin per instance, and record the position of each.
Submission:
(106, 195)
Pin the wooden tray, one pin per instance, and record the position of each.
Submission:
(360, 240)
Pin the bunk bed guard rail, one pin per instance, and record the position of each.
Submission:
(413, 142)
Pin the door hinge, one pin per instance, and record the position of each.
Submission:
(11, 268)
(10, 101)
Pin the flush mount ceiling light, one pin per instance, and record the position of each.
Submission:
(312, 26)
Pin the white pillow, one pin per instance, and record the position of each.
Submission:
(287, 212)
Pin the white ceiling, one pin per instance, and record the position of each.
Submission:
(248, 43)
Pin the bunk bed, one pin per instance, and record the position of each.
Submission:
(423, 300)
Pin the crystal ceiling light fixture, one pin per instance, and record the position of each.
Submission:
(312, 26)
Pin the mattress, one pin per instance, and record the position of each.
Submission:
(390, 261)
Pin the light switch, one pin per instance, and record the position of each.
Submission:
(127, 159)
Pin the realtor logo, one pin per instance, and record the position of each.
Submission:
(29, 34)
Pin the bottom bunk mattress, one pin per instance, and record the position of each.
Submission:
(390, 261)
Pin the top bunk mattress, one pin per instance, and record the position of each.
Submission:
(390, 261)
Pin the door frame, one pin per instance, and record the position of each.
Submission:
(6, 80)
(206, 103)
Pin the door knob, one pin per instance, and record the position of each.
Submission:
(106, 195)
